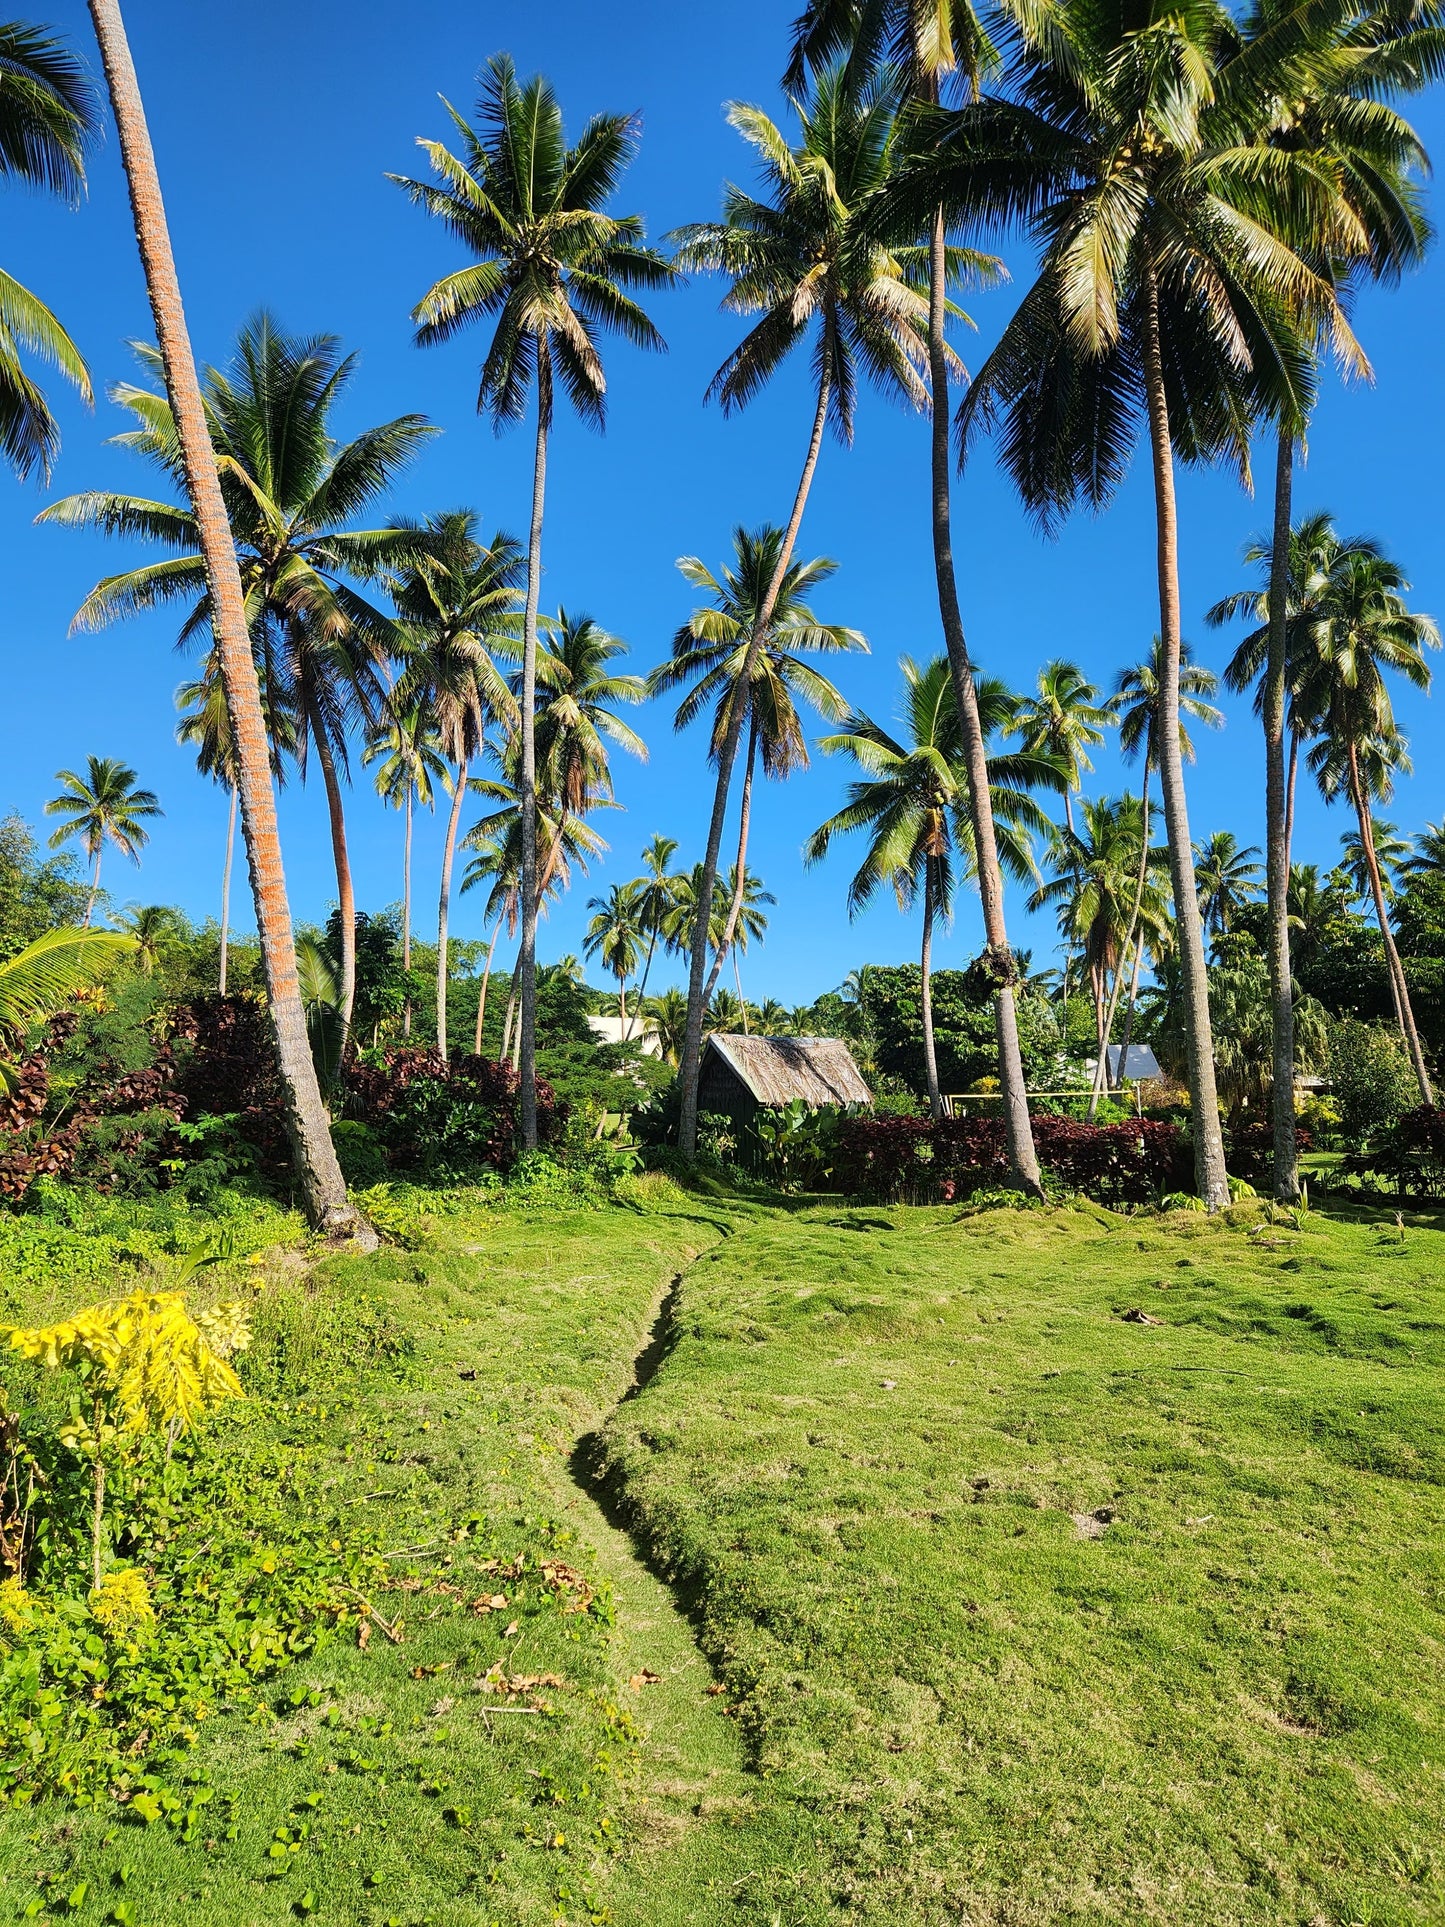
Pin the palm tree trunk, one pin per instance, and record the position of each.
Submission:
(1211, 1178)
(1069, 812)
(345, 890)
(444, 900)
(527, 962)
(997, 958)
(226, 893)
(94, 887)
(642, 987)
(1294, 742)
(322, 1187)
(696, 998)
(482, 993)
(730, 928)
(930, 1050)
(1394, 967)
(622, 1007)
(1133, 1002)
(406, 912)
(738, 980)
(1101, 1069)
(1278, 808)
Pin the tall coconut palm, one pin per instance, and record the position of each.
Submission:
(47, 116)
(147, 925)
(935, 45)
(553, 269)
(615, 937)
(1337, 104)
(456, 603)
(406, 747)
(1228, 879)
(319, 1179)
(577, 714)
(654, 893)
(912, 805)
(102, 806)
(805, 261)
(205, 724)
(1364, 634)
(1172, 292)
(290, 490)
(1063, 719)
(745, 925)
(759, 672)
(667, 1014)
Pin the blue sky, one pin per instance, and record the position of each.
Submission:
(274, 127)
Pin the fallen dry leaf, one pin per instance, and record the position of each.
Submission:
(714, 1689)
(509, 1631)
(1137, 1317)
(363, 1634)
(567, 1579)
(645, 1678)
(490, 1602)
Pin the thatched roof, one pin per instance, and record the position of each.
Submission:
(820, 1070)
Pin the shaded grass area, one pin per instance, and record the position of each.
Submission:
(1040, 1610)
(425, 1403)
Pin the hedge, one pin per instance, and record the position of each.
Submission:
(898, 1157)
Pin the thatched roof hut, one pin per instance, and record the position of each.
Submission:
(741, 1075)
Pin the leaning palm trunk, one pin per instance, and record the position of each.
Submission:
(345, 889)
(406, 912)
(482, 993)
(323, 1190)
(1133, 1003)
(998, 959)
(226, 893)
(930, 1052)
(642, 987)
(1277, 832)
(444, 899)
(527, 961)
(727, 756)
(745, 813)
(1289, 797)
(1211, 1178)
(94, 888)
(1394, 968)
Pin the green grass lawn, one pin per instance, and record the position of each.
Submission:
(968, 1598)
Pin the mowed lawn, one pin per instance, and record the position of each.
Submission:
(1067, 1567)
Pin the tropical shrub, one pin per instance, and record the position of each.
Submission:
(1372, 1080)
(442, 1117)
(1409, 1154)
(908, 1157)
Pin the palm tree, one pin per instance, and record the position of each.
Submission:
(405, 745)
(147, 925)
(757, 670)
(577, 716)
(614, 936)
(654, 894)
(747, 924)
(205, 724)
(1170, 292)
(553, 269)
(912, 804)
(1094, 887)
(1363, 633)
(1336, 104)
(805, 260)
(1227, 880)
(289, 489)
(40, 979)
(102, 806)
(930, 44)
(1426, 855)
(667, 1013)
(680, 926)
(319, 1179)
(1390, 853)
(726, 1014)
(1138, 702)
(495, 868)
(456, 602)
(1063, 720)
(47, 115)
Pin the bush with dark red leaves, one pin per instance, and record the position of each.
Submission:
(1250, 1148)
(226, 1067)
(896, 1157)
(443, 1117)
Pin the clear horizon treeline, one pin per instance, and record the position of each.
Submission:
(1202, 191)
